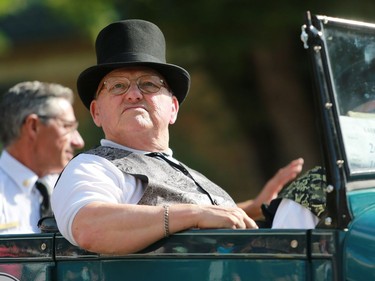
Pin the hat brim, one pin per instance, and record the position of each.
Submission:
(178, 79)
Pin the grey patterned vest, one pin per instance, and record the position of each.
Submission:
(164, 183)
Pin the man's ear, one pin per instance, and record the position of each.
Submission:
(31, 125)
(175, 107)
(95, 113)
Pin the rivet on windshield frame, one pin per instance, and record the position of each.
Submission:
(328, 221)
(317, 48)
(340, 163)
(294, 244)
(328, 105)
(43, 246)
(329, 188)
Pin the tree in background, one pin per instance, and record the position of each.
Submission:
(249, 110)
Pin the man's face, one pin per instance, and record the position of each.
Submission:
(58, 139)
(133, 111)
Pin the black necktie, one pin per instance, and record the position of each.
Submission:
(45, 207)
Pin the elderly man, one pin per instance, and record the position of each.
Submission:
(130, 192)
(39, 134)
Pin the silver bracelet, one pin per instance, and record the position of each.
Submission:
(166, 220)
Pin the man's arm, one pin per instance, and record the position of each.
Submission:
(125, 228)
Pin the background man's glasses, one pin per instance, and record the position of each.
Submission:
(68, 126)
(147, 84)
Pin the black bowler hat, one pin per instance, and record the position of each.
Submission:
(131, 43)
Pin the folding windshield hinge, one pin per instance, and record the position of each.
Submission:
(304, 36)
(309, 33)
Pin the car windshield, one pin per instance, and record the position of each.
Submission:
(351, 55)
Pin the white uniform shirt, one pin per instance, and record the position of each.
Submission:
(19, 199)
(90, 178)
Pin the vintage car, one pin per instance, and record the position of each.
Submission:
(341, 247)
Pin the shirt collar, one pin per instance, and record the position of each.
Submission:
(19, 173)
(105, 142)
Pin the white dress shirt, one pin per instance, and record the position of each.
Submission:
(90, 178)
(19, 199)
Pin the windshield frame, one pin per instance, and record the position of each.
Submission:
(354, 33)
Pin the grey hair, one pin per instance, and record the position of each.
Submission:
(25, 98)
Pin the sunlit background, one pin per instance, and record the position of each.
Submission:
(249, 110)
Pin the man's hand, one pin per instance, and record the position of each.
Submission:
(272, 188)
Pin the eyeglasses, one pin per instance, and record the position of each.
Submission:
(68, 126)
(147, 84)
